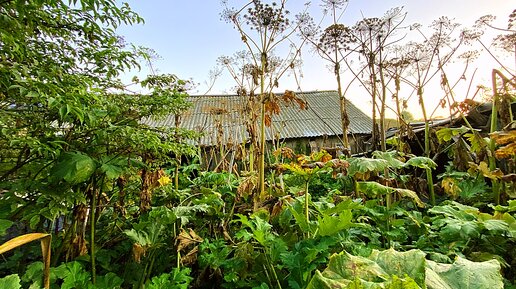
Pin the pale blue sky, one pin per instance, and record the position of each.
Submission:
(190, 36)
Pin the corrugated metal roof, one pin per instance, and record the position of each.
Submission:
(212, 115)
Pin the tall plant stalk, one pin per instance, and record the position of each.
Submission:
(268, 27)
(493, 128)
(93, 206)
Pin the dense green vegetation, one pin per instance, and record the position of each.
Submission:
(123, 205)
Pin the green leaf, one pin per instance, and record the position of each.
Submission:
(383, 268)
(111, 171)
(331, 225)
(161, 281)
(421, 162)
(109, 281)
(346, 204)
(4, 226)
(464, 274)
(73, 275)
(364, 165)
(373, 189)
(180, 278)
(390, 157)
(477, 142)
(74, 168)
(348, 266)
(34, 221)
(138, 237)
(261, 231)
(496, 225)
(296, 209)
(259, 227)
(34, 273)
(10, 281)
(401, 283)
(447, 133)
(455, 210)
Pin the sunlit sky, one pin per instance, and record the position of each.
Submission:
(189, 36)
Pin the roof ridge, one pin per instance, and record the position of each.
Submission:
(233, 95)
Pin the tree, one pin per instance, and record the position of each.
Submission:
(69, 132)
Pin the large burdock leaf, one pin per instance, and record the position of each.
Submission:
(366, 165)
(375, 272)
(390, 157)
(374, 189)
(421, 162)
(390, 269)
(344, 269)
(45, 250)
(411, 263)
(464, 274)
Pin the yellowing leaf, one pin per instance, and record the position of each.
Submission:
(484, 170)
(451, 187)
(502, 137)
(509, 140)
(507, 151)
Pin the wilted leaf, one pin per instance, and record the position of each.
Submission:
(285, 152)
(483, 168)
(186, 239)
(138, 252)
(191, 257)
(504, 137)
(507, 151)
(410, 194)
(451, 187)
(297, 169)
